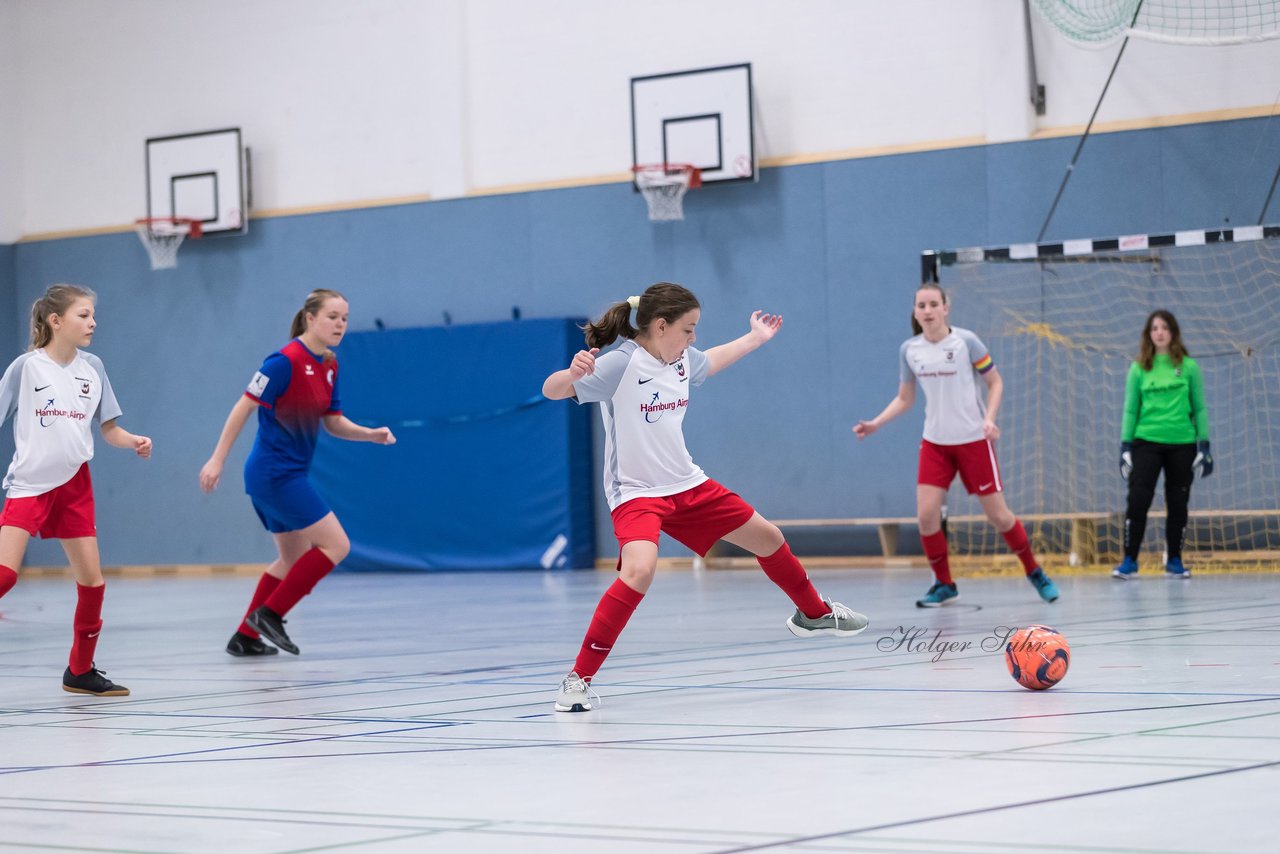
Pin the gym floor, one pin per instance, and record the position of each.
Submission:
(419, 719)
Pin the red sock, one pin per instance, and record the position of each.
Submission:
(785, 571)
(1016, 537)
(266, 585)
(935, 549)
(87, 625)
(8, 578)
(616, 607)
(302, 577)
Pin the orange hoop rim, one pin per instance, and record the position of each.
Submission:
(695, 174)
(195, 228)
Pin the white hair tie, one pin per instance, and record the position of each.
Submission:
(634, 302)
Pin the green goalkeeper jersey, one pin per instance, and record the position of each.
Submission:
(1165, 404)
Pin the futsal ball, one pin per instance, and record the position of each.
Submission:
(1037, 657)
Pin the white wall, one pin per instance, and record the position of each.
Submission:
(10, 125)
(344, 102)
(1154, 80)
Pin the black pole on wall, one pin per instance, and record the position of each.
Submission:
(928, 268)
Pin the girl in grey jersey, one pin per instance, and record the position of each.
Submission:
(652, 485)
(54, 393)
(959, 437)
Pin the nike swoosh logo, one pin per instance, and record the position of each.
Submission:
(94, 635)
(42, 387)
(984, 486)
(601, 648)
(642, 382)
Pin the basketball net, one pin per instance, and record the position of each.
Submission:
(163, 236)
(664, 186)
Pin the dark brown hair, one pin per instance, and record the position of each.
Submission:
(315, 301)
(916, 328)
(663, 300)
(56, 300)
(1147, 350)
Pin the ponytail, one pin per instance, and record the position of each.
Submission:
(615, 323)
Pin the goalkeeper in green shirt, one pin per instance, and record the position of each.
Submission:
(1165, 427)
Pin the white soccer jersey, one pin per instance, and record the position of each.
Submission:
(642, 402)
(947, 373)
(52, 406)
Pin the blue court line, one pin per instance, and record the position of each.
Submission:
(248, 718)
(800, 840)
(152, 760)
(182, 758)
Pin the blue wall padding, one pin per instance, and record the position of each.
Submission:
(485, 473)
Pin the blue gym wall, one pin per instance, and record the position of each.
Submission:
(834, 247)
(8, 297)
(10, 342)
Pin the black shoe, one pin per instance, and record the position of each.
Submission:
(270, 625)
(242, 644)
(92, 681)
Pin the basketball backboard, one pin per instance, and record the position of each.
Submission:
(702, 117)
(201, 176)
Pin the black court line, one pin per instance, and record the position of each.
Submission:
(800, 840)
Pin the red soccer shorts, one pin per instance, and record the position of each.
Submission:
(63, 513)
(697, 517)
(974, 461)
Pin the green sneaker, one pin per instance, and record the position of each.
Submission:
(939, 594)
(840, 621)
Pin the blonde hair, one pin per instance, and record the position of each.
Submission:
(314, 302)
(56, 300)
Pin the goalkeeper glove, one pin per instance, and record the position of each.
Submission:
(1126, 459)
(1203, 463)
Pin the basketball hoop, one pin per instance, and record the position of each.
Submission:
(163, 235)
(664, 186)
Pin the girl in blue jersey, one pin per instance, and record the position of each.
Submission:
(295, 392)
(54, 392)
(959, 437)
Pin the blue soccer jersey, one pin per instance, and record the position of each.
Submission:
(294, 389)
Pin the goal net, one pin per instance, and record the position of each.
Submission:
(1097, 23)
(1063, 323)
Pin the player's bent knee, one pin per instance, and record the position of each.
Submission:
(1002, 521)
(336, 551)
(772, 537)
(638, 573)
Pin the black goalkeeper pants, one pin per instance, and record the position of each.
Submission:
(1148, 459)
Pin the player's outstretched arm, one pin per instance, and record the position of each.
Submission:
(118, 437)
(763, 328)
(559, 385)
(344, 428)
(904, 401)
(211, 472)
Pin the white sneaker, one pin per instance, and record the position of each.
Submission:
(842, 621)
(575, 695)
